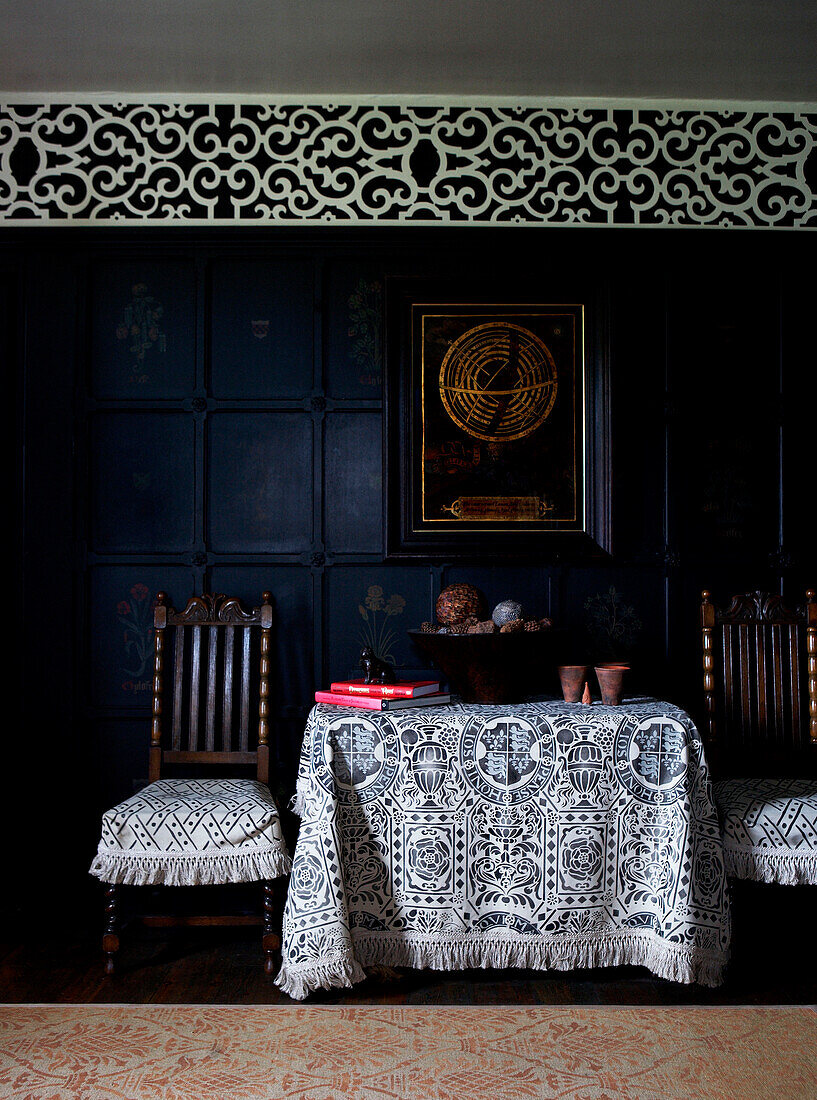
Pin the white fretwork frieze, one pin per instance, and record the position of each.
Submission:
(394, 162)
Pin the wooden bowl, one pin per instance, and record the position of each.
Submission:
(495, 668)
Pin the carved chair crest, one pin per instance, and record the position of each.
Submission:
(760, 607)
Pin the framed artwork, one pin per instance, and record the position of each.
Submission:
(497, 427)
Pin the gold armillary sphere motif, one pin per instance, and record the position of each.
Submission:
(498, 382)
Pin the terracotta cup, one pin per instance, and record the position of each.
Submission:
(573, 678)
(611, 677)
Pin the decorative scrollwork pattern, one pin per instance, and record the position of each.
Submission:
(196, 161)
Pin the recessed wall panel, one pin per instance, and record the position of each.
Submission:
(121, 754)
(143, 329)
(374, 605)
(616, 614)
(142, 481)
(261, 329)
(725, 383)
(120, 620)
(353, 482)
(259, 480)
(354, 330)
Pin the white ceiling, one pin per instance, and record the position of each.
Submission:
(689, 49)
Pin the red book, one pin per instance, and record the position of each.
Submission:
(406, 689)
(373, 702)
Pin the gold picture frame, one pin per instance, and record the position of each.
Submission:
(493, 427)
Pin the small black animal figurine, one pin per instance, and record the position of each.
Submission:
(375, 671)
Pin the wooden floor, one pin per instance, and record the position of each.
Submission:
(774, 961)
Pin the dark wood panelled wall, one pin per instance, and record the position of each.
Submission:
(203, 410)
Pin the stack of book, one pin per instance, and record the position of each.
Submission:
(406, 693)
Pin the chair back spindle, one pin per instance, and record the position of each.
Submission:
(811, 661)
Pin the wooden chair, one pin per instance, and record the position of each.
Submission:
(760, 667)
(201, 830)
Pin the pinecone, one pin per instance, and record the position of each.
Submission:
(487, 626)
(537, 624)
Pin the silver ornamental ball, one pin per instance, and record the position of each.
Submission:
(508, 611)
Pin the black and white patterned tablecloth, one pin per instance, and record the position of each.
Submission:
(543, 835)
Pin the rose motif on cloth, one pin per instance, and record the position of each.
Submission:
(306, 877)
(428, 862)
(428, 858)
(583, 855)
(709, 870)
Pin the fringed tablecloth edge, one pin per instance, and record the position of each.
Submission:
(195, 869)
(665, 960)
(298, 982)
(778, 868)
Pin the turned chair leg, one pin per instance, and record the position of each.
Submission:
(270, 941)
(110, 937)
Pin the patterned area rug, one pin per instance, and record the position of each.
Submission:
(130, 1052)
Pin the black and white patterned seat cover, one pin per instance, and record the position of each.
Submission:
(769, 829)
(189, 832)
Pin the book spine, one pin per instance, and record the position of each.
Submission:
(367, 702)
(378, 691)
(420, 701)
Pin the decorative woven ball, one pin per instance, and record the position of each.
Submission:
(458, 602)
(508, 611)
